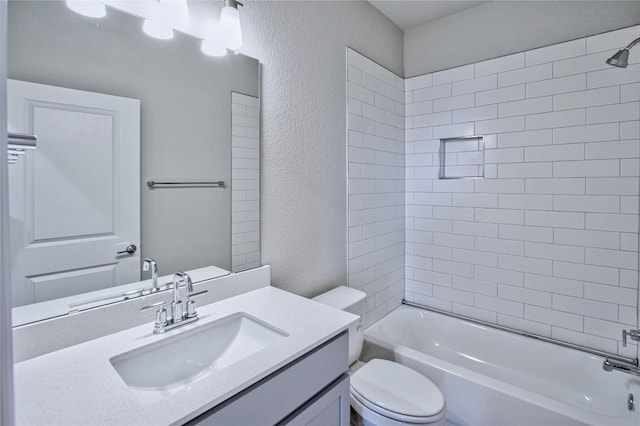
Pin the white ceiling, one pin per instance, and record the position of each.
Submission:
(407, 14)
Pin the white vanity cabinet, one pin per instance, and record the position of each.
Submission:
(297, 379)
(311, 390)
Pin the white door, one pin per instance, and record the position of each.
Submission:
(75, 199)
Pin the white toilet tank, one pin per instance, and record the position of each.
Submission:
(352, 301)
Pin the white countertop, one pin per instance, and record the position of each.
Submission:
(79, 386)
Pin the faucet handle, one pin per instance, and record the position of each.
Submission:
(191, 304)
(631, 334)
(153, 305)
(198, 293)
(161, 314)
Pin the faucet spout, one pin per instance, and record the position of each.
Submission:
(151, 263)
(625, 367)
(178, 278)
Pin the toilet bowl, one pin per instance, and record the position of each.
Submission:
(383, 392)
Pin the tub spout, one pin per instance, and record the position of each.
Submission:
(625, 367)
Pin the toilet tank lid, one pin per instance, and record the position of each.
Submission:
(341, 297)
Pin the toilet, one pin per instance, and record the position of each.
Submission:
(382, 392)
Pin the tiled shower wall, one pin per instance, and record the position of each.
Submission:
(376, 184)
(245, 191)
(547, 241)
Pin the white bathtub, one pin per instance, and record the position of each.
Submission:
(493, 377)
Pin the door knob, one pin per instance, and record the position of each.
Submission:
(131, 249)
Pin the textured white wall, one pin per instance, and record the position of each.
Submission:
(500, 28)
(301, 46)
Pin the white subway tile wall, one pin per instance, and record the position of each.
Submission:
(245, 187)
(547, 242)
(376, 161)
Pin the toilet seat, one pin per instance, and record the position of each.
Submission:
(397, 392)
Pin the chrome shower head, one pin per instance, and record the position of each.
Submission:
(621, 58)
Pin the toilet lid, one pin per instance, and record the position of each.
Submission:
(397, 389)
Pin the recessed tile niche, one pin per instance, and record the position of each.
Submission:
(462, 158)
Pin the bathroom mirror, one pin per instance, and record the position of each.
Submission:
(196, 119)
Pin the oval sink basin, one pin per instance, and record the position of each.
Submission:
(180, 359)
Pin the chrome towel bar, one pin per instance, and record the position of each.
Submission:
(17, 143)
(185, 184)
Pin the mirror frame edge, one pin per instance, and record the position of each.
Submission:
(6, 332)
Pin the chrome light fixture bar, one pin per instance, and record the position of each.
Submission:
(621, 57)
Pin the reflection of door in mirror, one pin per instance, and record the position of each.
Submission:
(185, 135)
(73, 204)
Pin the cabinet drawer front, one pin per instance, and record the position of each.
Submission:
(273, 398)
(330, 407)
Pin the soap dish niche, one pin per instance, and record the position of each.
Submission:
(462, 158)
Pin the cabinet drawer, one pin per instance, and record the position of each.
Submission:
(331, 407)
(273, 398)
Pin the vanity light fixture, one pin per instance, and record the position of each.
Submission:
(230, 30)
(88, 8)
(228, 33)
(164, 16)
(212, 46)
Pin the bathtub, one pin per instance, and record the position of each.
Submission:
(493, 377)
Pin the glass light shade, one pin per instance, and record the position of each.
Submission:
(88, 8)
(157, 29)
(179, 13)
(213, 47)
(230, 32)
(159, 22)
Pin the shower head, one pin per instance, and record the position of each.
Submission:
(621, 58)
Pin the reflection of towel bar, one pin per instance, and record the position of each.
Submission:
(196, 184)
(22, 139)
(17, 144)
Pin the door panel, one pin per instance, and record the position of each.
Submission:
(56, 285)
(83, 197)
(75, 199)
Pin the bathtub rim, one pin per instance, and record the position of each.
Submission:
(528, 334)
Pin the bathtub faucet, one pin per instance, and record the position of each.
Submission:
(631, 334)
(625, 367)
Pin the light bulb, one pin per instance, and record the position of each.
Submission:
(230, 32)
(157, 29)
(213, 47)
(164, 16)
(88, 8)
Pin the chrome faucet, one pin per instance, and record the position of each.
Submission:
(631, 334)
(625, 367)
(176, 306)
(151, 263)
(179, 316)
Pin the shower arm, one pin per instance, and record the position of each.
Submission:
(633, 43)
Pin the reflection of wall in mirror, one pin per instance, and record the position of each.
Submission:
(185, 116)
(245, 194)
